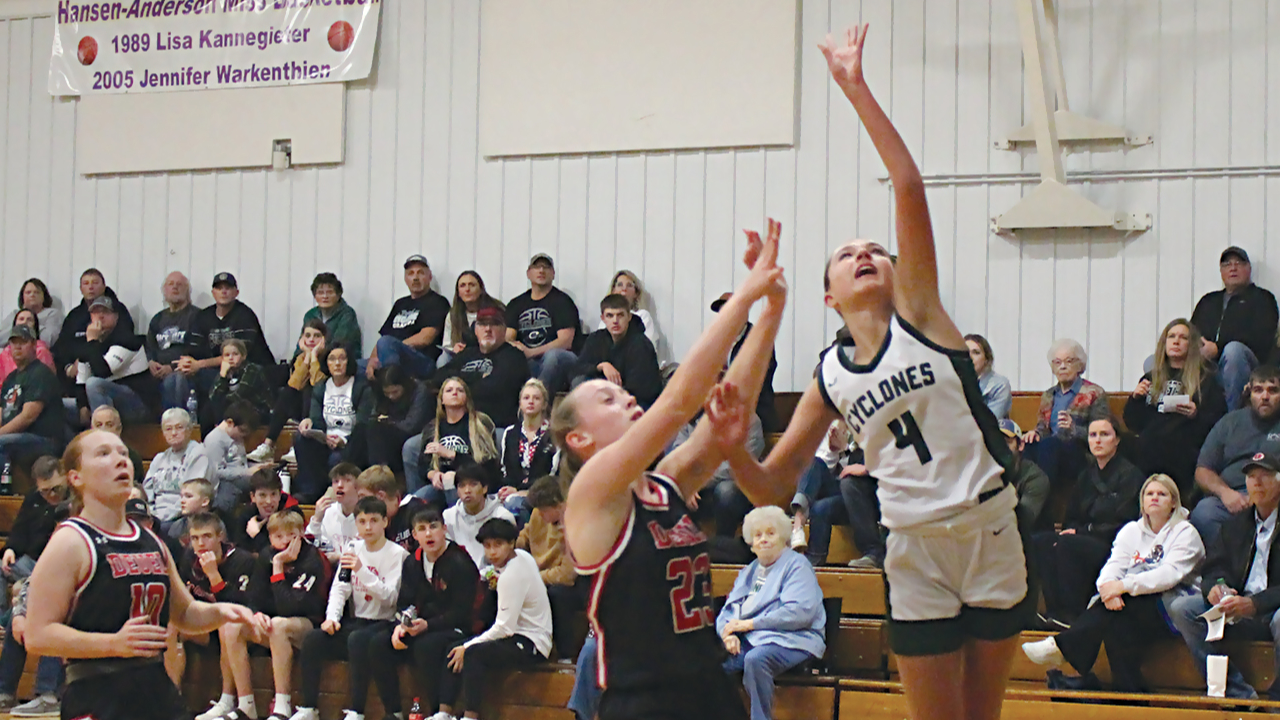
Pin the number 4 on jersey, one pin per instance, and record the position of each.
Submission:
(907, 433)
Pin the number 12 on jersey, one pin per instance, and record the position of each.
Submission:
(907, 434)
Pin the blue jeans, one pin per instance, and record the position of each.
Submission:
(442, 499)
(553, 368)
(13, 657)
(1185, 613)
(585, 700)
(816, 483)
(24, 444)
(19, 570)
(1208, 516)
(411, 454)
(729, 506)
(392, 351)
(518, 505)
(174, 390)
(759, 666)
(1235, 362)
(101, 391)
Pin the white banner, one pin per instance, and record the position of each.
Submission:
(129, 46)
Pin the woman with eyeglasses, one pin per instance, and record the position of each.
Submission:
(1057, 442)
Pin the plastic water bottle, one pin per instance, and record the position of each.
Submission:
(415, 710)
(6, 479)
(193, 405)
(286, 480)
(344, 574)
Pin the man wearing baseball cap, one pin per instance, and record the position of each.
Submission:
(225, 319)
(543, 324)
(1237, 324)
(112, 368)
(31, 418)
(71, 337)
(1027, 478)
(1241, 576)
(410, 337)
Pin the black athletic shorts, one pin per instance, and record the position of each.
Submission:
(142, 693)
(706, 697)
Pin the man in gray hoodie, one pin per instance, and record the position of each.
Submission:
(474, 507)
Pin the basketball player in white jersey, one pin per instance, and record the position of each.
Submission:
(954, 566)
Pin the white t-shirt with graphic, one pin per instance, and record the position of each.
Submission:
(339, 412)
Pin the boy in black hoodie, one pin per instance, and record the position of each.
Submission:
(266, 497)
(439, 604)
(113, 368)
(288, 593)
(493, 369)
(620, 354)
(215, 571)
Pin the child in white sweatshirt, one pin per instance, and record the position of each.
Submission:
(521, 633)
(333, 525)
(368, 576)
(1154, 560)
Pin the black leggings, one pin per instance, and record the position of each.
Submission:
(350, 643)
(1069, 567)
(375, 443)
(1126, 633)
(428, 652)
(289, 405)
(478, 665)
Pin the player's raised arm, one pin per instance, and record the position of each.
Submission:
(916, 289)
(599, 498)
(693, 463)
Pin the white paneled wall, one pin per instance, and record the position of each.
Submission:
(1195, 74)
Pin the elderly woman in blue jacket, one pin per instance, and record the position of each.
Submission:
(773, 619)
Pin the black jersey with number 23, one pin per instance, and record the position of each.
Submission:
(651, 597)
(128, 578)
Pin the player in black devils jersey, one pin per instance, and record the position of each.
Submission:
(650, 601)
(104, 590)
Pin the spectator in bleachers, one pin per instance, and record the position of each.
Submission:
(527, 451)
(238, 381)
(229, 468)
(1241, 576)
(106, 418)
(287, 593)
(820, 481)
(1232, 443)
(773, 618)
(1154, 562)
(169, 337)
(410, 337)
(862, 510)
(113, 367)
(469, 296)
(66, 350)
(1104, 499)
(400, 411)
(8, 364)
(441, 584)
(1237, 324)
(333, 524)
(183, 460)
(521, 633)
(1025, 476)
(543, 538)
(34, 525)
(337, 406)
(226, 318)
(1066, 409)
(474, 507)
(32, 420)
(997, 393)
(721, 494)
(214, 570)
(266, 498)
(13, 658)
(36, 298)
(350, 628)
(543, 324)
(1174, 407)
(627, 284)
(765, 408)
(338, 317)
(378, 481)
(493, 368)
(293, 402)
(196, 499)
(620, 353)
(459, 433)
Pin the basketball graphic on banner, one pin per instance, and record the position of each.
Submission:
(87, 50)
(341, 34)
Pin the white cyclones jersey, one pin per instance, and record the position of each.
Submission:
(931, 443)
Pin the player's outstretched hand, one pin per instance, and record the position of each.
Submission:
(762, 258)
(233, 613)
(729, 415)
(845, 61)
(139, 638)
(755, 248)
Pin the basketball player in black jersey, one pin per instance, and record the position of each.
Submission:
(103, 592)
(650, 601)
